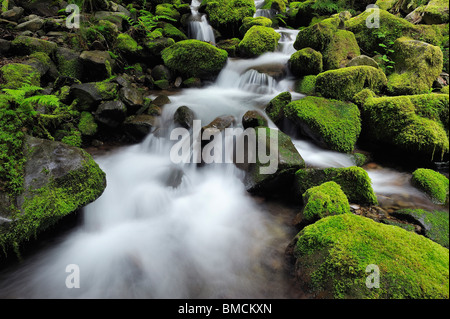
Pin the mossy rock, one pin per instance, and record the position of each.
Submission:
(87, 125)
(68, 62)
(392, 28)
(59, 180)
(354, 181)
(271, 176)
(16, 75)
(276, 5)
(127, 45)
(333, 124)
(337, 46)
(434, 12)
(226, 15)
(434, 224)
(333, 255)
(324, 200)
(306, 61)
(417, 65)
(249, 22)
(432, 183)
(343, 84)
(445, 90)
(170, 31)
(306, 85)
(231, 46)
(259, 40)
(276, 106)
(24, 45)
(194, 58)
(168, 10)
(417, 124)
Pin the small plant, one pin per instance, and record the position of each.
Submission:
(386, 51)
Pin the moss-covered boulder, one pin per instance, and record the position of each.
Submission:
(58, 180)
(332, 124)
(417, 65)
(434, 12)
(337, 46)
(324, 200)
(391, 28)
(354, 181)
(276, 106)
(416, 124)
(306, 61)
(259, 40)
(249, 22)
(16, 75)
(194, 58)
(24, 45)
(127, 45)
(231, 46)
(344, 83)
(226, 15)
(273, 174)
(432, 183)
(306, 85)
(332, 258)
(168, 10)
(434, 224)
(69, 63)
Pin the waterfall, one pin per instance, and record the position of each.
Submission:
(199, 27)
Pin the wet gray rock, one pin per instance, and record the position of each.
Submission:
(111, 113)
(184, 117)
(14, 14)
(32, 25)
(138, 127)
(97, 65)
(253, 118)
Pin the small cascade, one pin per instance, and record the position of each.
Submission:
(257, 82)
(199, 27)
(286, 42)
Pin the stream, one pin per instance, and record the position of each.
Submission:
(164, 230)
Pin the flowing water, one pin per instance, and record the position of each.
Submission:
(165, 230)
(199, 27)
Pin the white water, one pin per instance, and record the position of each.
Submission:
(199, 27)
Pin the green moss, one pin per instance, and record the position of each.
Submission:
(344, 83)
(434, 12)
(15, 75)
(306, 85)
(434, 224)
(73, 138)
(354, 181)
(306, 61)
(24, 45)
(277, 5)
(193, 58)
(361, 97)
(391, 28)
(127, 44)
(324, 200)
(337, 46)
(226, 15)
(170, 31)
(333, 124)
(275, 108)
(107, 89)
(432, 183)
(230, 45)
(417, 66)
(333, 255)
(445, 90)
(57, 199)
(259, 40)
(167, 9)
(249, 22)
(87, 125)
(411, 123)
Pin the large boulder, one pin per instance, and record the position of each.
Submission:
(416, 125)
(417, 65)
(306, 61)
(332, 124)
(276, 106)
(391, 28)
(354, 181)
(226, 16)
(24, 45)
(97, 65)
(338, 47)
(344, 83)
(273, 176)
(259, 40)
(58, 180)
(194, 58)
(340, 257)
(89, 95)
